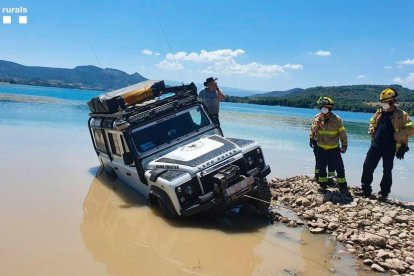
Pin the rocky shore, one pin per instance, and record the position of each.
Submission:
(379, 233)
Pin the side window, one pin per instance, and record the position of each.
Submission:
(99, 139)
(196, 116)
(115, 145)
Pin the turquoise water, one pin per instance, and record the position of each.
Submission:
(282, 131)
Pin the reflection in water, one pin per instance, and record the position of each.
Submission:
(129, 238)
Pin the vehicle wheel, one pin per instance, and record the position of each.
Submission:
(263, 193)
(165, 211)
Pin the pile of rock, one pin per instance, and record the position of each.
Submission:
(380, 233)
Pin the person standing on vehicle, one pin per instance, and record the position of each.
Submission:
(327, 129)
(211, 97)
(390, 128)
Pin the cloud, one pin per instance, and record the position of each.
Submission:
(407, 81)
(406, 62)
(388, 67)
(224, 61)
(149, 52)
(361, 76)
(223, 55)
(293, 66)
(321, 53)
(169, 65)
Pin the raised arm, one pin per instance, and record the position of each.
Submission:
(220, 94)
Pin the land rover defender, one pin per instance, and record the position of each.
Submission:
(162, 142)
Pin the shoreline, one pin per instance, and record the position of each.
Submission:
(379, 234)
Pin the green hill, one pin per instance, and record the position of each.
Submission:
(362, 98)
(278, 93)
(82, 77)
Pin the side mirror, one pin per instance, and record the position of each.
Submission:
(128, 160)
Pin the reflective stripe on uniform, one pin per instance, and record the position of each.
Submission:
(328, 132)
(316, 170)
(323, 179)
(408, 124)
(341, 129)
(341, 180)
(328, 147)
(331, 173)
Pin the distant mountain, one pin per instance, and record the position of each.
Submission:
(278, 93)
(363, 98)
(82, 77)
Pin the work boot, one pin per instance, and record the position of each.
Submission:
(331, 182)
(382, 197)
(343, 189)
(366, 190)
(322, 188)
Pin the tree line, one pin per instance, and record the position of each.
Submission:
(357, 98)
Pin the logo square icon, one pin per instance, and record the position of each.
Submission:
(7, 19)
(22, 19)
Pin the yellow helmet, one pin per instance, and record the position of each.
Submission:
(388, 94)
(325, 101)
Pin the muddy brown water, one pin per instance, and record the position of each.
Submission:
(58, 218)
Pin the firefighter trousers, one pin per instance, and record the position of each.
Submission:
(330, 157)
(374, 155)
(331, 169)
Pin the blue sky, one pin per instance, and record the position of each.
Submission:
(258, 45)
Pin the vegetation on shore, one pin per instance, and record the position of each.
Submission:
(360, 98)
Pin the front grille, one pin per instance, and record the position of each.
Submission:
(208, 180)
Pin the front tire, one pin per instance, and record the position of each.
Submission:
(264, 195)
(165, 212)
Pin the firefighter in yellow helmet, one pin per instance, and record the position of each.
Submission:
(327, 129)
(390, 128)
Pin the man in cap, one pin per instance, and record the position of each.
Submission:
(327, 130)
(390, 128)
(211, 97)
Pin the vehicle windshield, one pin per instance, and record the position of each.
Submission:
(170, 128)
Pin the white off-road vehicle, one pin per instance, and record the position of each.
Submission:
(168, 149)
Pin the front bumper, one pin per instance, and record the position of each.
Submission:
(211, 200)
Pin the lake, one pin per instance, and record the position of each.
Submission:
(60, 216)
(282, 131)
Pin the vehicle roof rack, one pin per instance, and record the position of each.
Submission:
(171, 98)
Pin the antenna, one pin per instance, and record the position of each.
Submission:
(96, 56)
(93, 51)
(168, 43)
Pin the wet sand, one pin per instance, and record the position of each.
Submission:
(59, 219)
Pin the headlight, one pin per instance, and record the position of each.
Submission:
(250, 160)
(254, 159)
(189, 190)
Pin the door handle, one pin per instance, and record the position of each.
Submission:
(129, 174)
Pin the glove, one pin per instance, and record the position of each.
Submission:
(312, 143)
(343, 148)
(401, 151)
